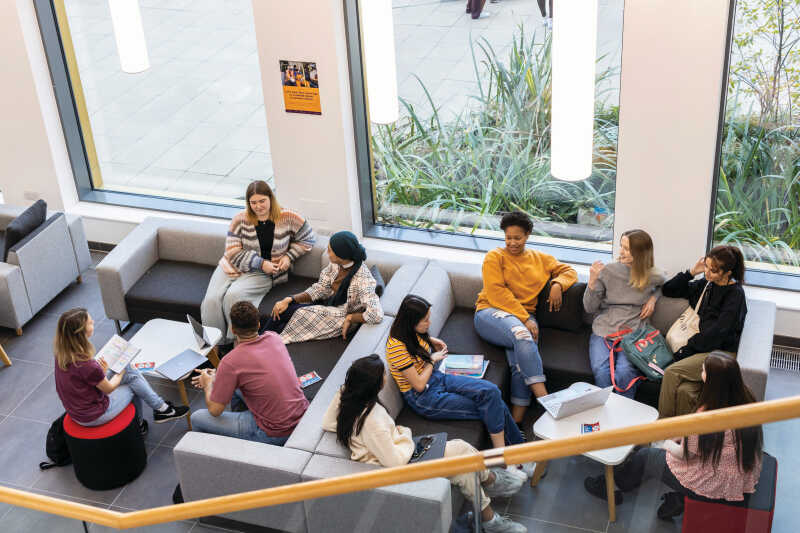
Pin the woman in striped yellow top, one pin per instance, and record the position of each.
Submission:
(436, 395)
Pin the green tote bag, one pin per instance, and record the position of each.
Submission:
(645, 348)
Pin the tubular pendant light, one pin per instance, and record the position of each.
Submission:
(129, 34)
(574, 54)
(377, 30)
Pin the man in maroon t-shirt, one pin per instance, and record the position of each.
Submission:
(258, 375)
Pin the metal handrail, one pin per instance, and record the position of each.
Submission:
(694, 424)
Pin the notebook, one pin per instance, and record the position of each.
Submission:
(180, 365)
(434, 451)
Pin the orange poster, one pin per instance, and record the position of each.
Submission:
(300, 87)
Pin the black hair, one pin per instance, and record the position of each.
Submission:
(724, 387)
(412, 310)
(517, 218)
(729, 259)
(358, 396)
(244, 318)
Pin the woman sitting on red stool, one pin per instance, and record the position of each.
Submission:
(719, 466)
(91, 394)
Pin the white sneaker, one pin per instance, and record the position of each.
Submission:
(505, 485)
(484, 15)
(501, 524)
(515, 471)
(528, 468)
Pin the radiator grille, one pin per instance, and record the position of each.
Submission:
(785, 358)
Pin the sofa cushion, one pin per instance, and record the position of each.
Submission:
(565, 356)
(471, 431)
(380, 285)
(22, 225)
(294, 285)
(320, 356)
(169, 289)
(569, 317)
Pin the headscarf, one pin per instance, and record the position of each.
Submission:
(346, 246)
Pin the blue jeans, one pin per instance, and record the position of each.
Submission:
(522, 353)
(241, 425)
(133, 388)
(464, 398)
(624, 371)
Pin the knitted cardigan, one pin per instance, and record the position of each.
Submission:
(293, 237)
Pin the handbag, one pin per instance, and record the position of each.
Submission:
(645, 348)
(687, 325)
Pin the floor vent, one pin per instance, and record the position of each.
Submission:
(785, 358)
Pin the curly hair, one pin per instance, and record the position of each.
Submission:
(516, 218)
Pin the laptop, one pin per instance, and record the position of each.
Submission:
(576, 398)
(199, 333)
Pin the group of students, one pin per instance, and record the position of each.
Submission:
(258, 379)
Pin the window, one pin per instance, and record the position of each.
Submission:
(758, 189)
(472, 140)
(191, 127)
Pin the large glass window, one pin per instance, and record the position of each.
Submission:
(192, 126)
(473, 138)
(758, 192)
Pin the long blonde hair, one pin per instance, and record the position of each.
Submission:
(71, 344)
(261, 187)
(641, 246)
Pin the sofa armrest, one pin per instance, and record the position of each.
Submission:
(755, 346)
(311, 264)
(79, 242)
(417, 506)
(124, 265)
(213, 465)
(15, 309)
(434, 285)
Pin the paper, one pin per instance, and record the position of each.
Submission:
(470, 362)
(309, 379)
(445, 369)
(117, 353)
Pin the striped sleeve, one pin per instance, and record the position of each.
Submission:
(397, 355)
(301, 236)
(238, 256)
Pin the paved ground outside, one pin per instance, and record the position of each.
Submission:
(194, 126)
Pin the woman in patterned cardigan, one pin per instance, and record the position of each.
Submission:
(343, 296)
(263, 241)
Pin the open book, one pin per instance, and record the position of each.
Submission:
(118, 353)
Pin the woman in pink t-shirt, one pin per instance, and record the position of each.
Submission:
(723, 466)
(92, 394)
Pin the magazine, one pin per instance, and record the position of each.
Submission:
(467, 362)
(445, 368)
(118, 353)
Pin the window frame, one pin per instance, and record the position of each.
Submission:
(366, 189)
(755, 277)
(74, 135)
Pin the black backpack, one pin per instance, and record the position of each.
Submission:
(56, 445)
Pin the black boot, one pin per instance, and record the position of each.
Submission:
(596, 486)
(672, 506)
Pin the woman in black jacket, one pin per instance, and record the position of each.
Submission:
(721, 313)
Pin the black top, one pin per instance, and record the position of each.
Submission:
(266, 234)
(721, 313)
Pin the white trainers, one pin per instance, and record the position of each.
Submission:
(505, 485)
(513, 470)
(501, 524)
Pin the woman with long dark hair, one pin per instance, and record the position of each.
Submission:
(723, 465)
(364, 426)
(722, 311)
(433, 394)
(262, 243)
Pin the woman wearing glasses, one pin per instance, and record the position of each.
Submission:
(433, 394)
(364, 426)
(722, 312)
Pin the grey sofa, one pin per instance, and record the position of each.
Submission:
(212, 465)
(40, 266)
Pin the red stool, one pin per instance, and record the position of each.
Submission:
(753, 515)
(107, 456)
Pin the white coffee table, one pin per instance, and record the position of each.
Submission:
(160, 339)
(618, 412)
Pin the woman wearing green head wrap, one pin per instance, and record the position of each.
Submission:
(343, 296)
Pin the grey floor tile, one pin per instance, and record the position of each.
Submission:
(97, 257)
(158, 432)
(36, 342)
(43, 404)
(183, 526)
(154, 487)
(560, 497)
(638, 511)
(19, 520)
(782, 383)
(19, 380)
(86, 295)
(61, 482)
(539, 526)
(25, 439)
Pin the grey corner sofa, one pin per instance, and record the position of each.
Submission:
(212, 465)
(39, 266)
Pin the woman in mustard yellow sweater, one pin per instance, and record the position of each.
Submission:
(513, 277)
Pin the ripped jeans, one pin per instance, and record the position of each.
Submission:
(506, 330)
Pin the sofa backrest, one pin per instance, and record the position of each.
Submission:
(191, 240)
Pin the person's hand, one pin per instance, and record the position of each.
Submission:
(698, 267)
(594, 272)
(268, 267)
(279, 307)
(438, 345)
(348, 319)
(648, 308)
(102, 362)
(438, 355)
(556, 297)
(282, 264)
(204, 378)
(533, 327)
